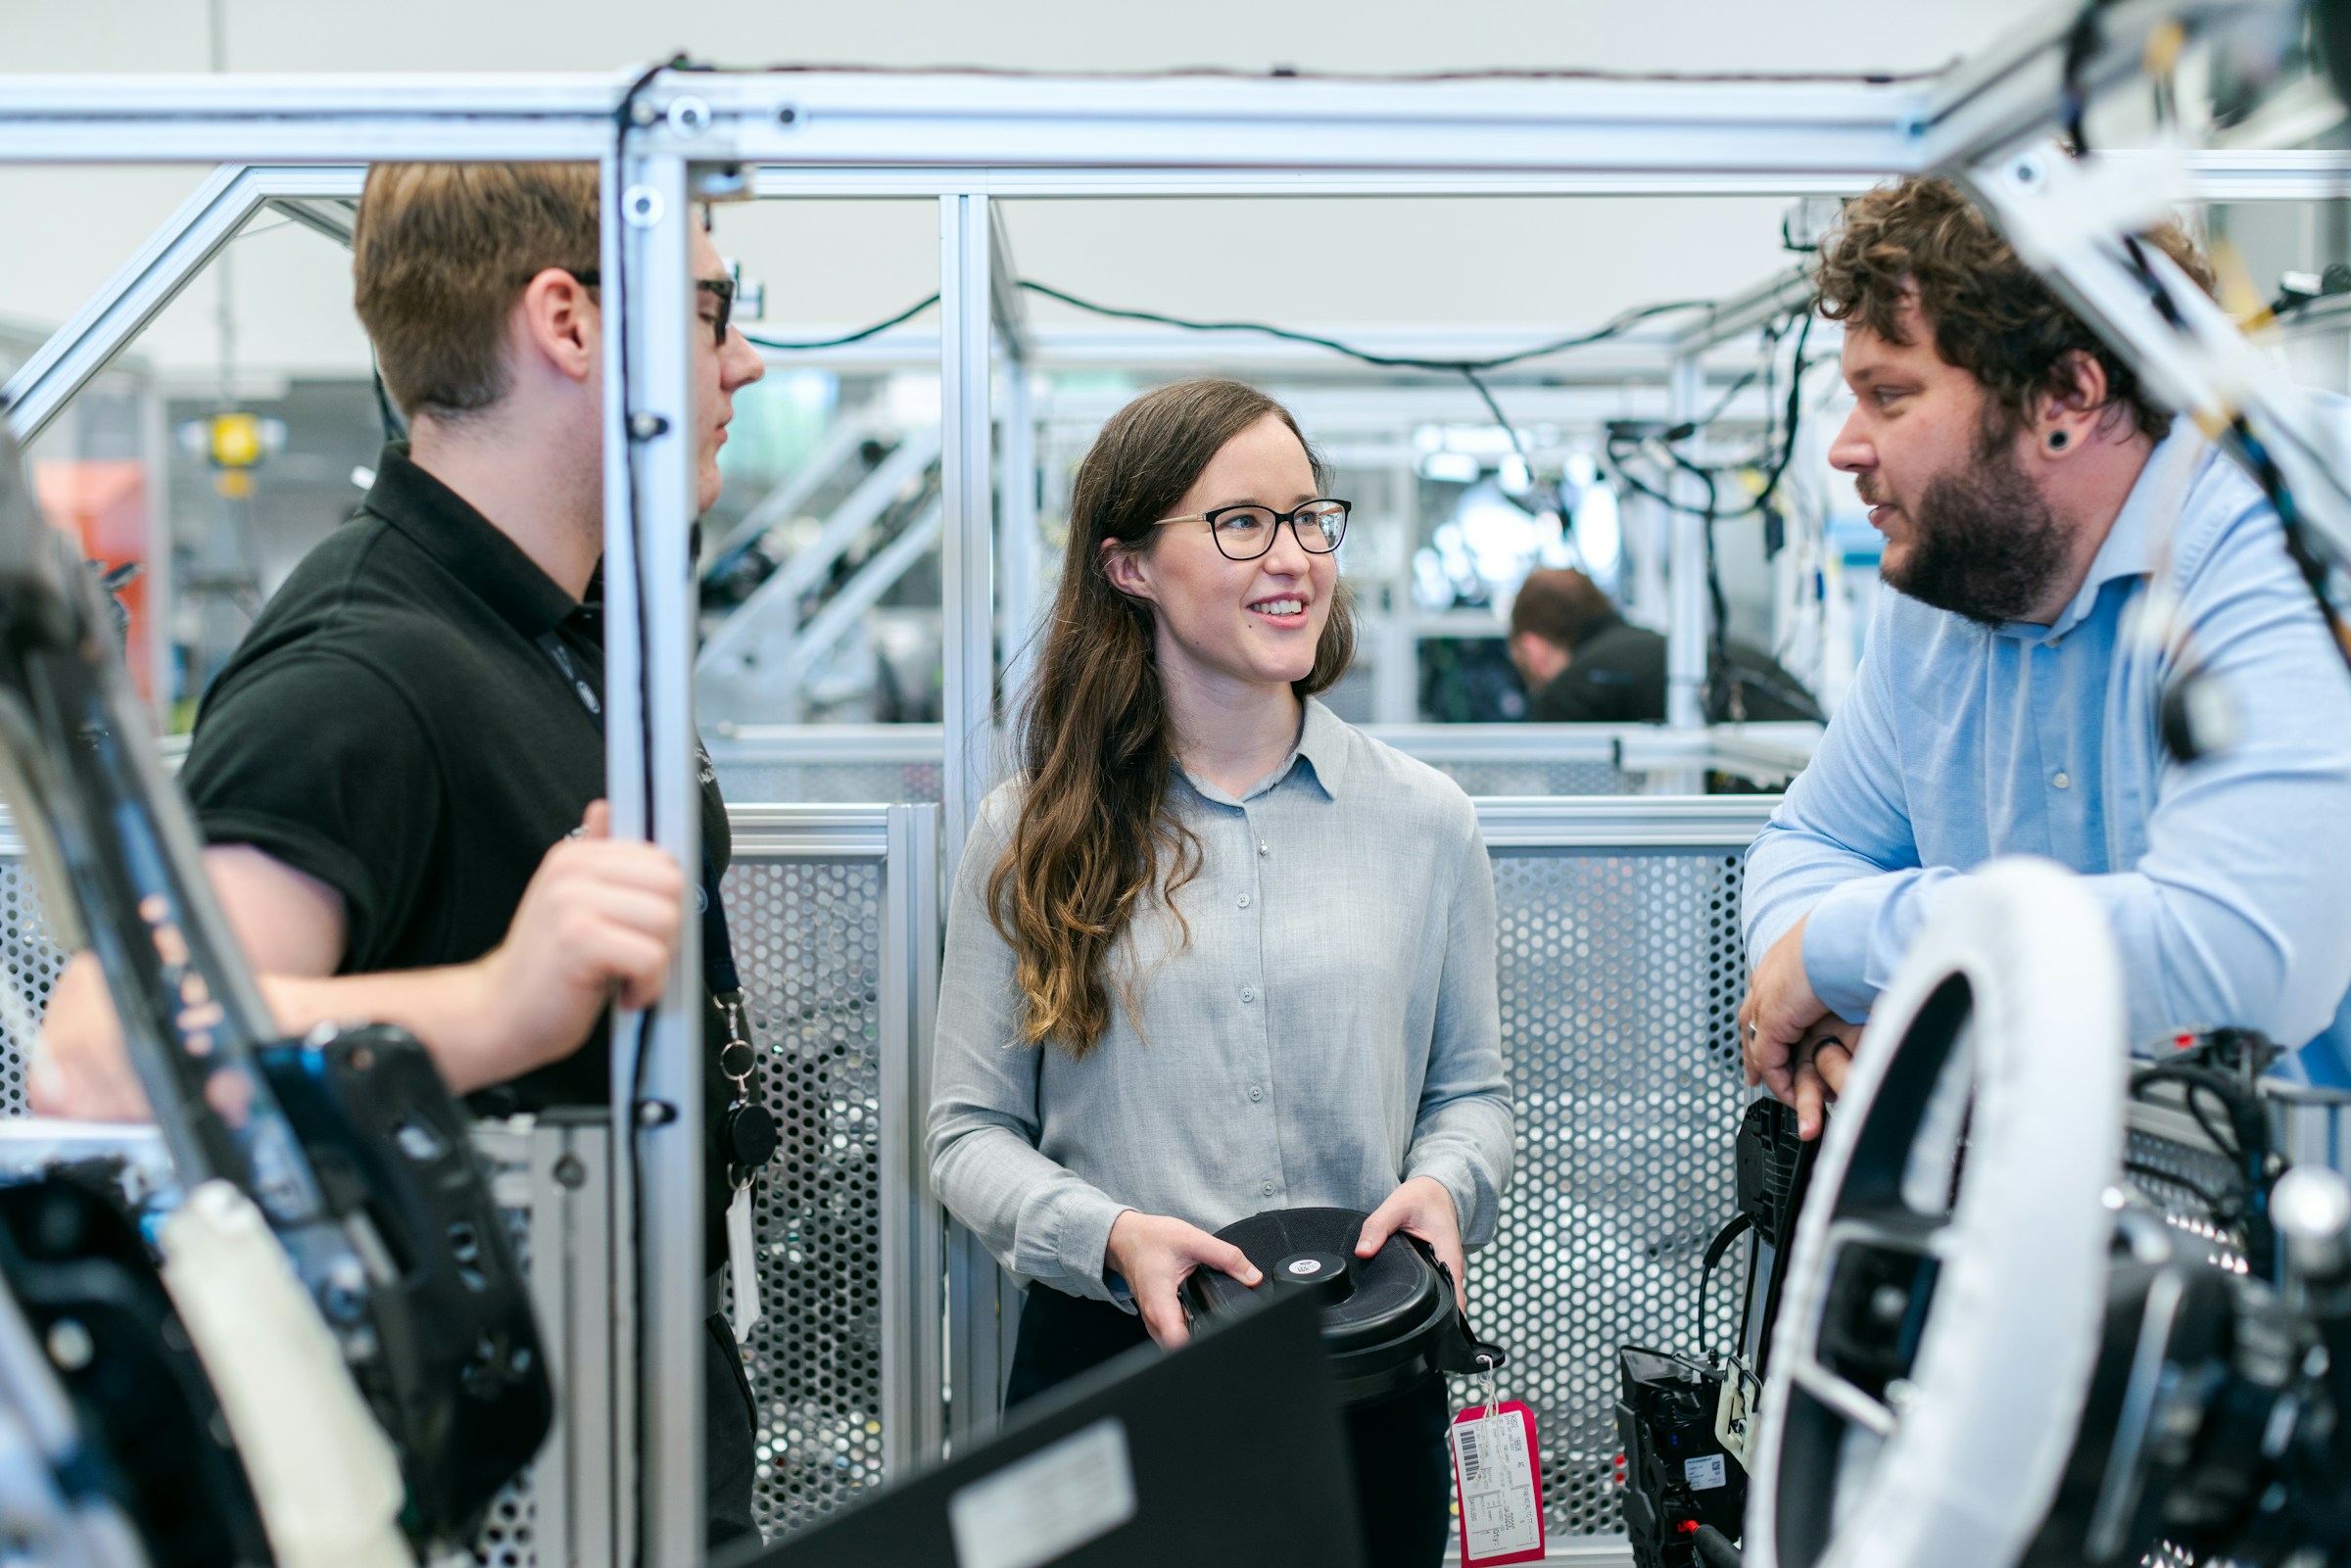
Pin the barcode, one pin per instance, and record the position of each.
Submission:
(1469, 1453)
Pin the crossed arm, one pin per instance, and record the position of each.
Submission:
(2233, 914)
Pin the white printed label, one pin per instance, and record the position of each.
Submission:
(1049, 1504)
(1501, 1512)
(1705, 1472)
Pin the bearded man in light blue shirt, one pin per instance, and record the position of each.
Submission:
(2061, 552)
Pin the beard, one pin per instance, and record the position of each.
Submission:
(1984, 544)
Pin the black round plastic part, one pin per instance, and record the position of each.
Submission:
(1326, 1276)
(1388, 1320)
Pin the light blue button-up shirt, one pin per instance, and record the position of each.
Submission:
(2228, 881)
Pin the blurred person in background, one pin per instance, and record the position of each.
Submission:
(1583, 663)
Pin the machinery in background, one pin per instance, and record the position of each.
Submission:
(2162, 1394)
(382, 1388)
(115, 1450)
(1686, 1421)
(1678, 1477)
(788, 629)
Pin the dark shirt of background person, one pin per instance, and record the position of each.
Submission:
(1584, 664)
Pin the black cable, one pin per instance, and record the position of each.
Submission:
(1615, 326)
(626, 1136)
(1794, 414)
(2245, 1144)
(1722, 403)
(2308, 557)
(396, 428)
(1558, 493)
(2215, 1206)
(1718, 635)
(2081, 42)
(1467, 369)
(860, 336)
(1716, 1250)
(1619, 448)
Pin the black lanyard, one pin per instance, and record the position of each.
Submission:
(746, 1133)
(718, 948)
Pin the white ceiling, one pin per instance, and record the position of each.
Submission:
(1546, 265)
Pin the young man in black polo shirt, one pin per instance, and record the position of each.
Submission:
(400, 771)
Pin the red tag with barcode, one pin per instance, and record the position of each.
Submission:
(1500, 1484)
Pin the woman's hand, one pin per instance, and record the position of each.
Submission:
(1155, 1253)
(1423, 1207)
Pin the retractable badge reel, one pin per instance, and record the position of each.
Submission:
(1498, 1479)
(747, 1131)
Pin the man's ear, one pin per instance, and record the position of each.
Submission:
(1125, 569)
(2077, 406)
(558, 324)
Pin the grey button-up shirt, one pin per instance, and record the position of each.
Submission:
(1329, 1030)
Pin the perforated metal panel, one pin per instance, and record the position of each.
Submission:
(1620, 974)
(808, 937)
(2182, 1179)
(32, 963)
(890, 783)
(509, 1537)
(808, 941)
(1539, 777)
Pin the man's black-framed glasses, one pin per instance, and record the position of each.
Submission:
(719, 289)
(1244, 533)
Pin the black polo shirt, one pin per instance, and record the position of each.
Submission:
(394, 726)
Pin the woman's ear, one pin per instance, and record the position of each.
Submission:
(1124, 567)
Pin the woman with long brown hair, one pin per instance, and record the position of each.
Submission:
(1213, 951)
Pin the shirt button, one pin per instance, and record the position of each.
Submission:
(1244, 901)
(2062, 782)
(1248, 993)
(2050, 643)
(1267, 1189)
(1262, 850)
(1256, 1092)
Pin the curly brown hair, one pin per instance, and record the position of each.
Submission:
(1992, 317)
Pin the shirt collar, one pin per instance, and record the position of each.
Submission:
(1323, 741)
(446, 526)
(2129, 549)
(1323, 744)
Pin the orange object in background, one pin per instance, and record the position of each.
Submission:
(103, 503)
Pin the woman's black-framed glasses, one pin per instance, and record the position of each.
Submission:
(720, 289)
(1244, 533)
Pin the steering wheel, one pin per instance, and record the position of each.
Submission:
(1946, 1293)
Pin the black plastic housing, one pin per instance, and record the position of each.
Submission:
(1388, 1322)
(461, 1380)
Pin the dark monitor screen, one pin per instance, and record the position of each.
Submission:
(1230, 1452)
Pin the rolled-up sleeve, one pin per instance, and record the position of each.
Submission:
(2237, 913)
(1464, 1132)
(1036, 1218)
(1841, 855)
(2230, 912)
